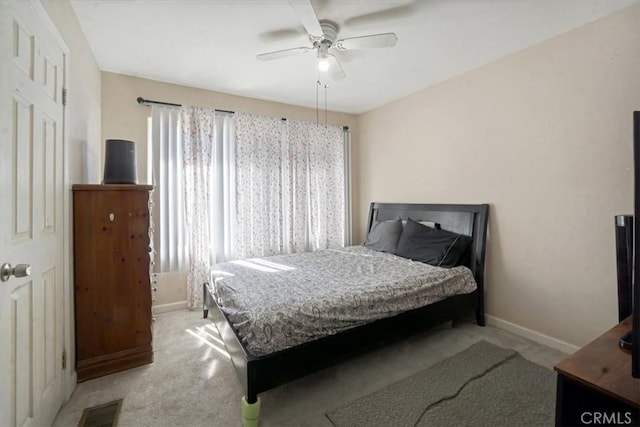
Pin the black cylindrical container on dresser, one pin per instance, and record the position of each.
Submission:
(120, 162)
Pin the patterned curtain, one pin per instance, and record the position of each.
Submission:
(290, 186)
(326, 180)
(198, 139)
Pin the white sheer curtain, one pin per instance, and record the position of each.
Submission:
(198, 139)
(290, 179)
(170, 236)
(348, 218)
(208, 147)
(260, 225)
(323, 172)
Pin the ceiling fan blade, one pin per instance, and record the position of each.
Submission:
(281, 35)
(305, 11)
(335, 69)
(395, 12)
(282, 53)
(367, 42)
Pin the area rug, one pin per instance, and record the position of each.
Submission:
(105, 415)
(484, 385)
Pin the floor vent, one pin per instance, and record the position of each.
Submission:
(105, 415)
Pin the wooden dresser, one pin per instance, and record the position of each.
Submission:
(595, 385)
(112, 286)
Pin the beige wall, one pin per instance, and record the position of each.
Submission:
(83, 106)
(171, 288)
(82, 135)
(545, 137)
(124, 118)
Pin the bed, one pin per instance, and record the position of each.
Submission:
(263, 364)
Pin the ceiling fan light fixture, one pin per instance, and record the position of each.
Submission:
(323, 64)
(323, 55)
(323, 35)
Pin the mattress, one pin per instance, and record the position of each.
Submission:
(278, 302)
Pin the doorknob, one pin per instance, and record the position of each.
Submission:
(20, 270)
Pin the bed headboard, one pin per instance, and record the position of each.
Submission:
(470, 220)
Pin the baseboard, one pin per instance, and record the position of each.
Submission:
(532, 335)
(71, 385)
(165, 308)
(110, 363)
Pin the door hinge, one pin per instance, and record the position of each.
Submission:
(64, 359)
(64, 96)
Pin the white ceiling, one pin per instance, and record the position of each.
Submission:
(212, 44)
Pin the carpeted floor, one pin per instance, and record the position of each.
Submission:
(484, 385)
(192, 382)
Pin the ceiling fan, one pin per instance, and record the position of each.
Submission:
(323, 35)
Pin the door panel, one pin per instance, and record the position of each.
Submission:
(50, 174)
(22, 345)
(21, 190)
(49, 321)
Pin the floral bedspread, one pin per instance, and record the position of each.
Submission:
(281, 301)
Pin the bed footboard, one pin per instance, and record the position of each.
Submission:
(258, 374)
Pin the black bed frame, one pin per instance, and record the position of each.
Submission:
(262, 373)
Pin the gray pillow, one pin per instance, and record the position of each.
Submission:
(432, 246)
(384, 236)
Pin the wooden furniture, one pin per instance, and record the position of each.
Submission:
(595, 384)
(112, 281)
(265, 372)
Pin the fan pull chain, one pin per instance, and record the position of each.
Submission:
(317, 113)
(326, 86)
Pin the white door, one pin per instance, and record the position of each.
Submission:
(32, 71)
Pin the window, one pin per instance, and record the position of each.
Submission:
(238, 186)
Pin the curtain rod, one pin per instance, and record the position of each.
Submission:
(149, 102)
